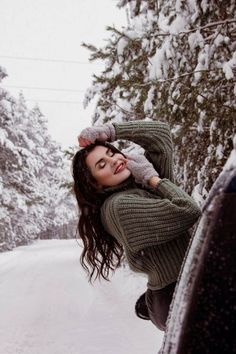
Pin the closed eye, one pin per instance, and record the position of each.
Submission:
(110, 153)
(101, 163)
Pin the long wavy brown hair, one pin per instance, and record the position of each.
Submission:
(101, 252)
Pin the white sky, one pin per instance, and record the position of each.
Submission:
(55, 29)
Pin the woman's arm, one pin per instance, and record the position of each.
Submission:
(155, 138)
(141, 222)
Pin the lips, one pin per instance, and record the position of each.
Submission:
(120, 167)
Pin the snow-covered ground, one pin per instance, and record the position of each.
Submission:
(48, 307)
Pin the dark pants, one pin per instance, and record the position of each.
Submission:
(158, 303)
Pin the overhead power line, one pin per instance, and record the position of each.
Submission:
(49, 60)
(42, 88)
(52, 101)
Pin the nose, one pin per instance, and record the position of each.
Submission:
(113, 160)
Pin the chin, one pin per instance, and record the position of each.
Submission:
(125, 175)
(118, 178)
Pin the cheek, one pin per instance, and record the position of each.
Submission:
(103, 175)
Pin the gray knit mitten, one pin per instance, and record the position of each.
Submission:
(104, 132)
(141, 169)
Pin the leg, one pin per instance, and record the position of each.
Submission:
(158, 303)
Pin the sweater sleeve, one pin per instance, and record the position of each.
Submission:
(155, 138)
(140, 222)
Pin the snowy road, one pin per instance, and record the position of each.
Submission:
(48, 307)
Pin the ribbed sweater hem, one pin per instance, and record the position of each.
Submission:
(160, 286)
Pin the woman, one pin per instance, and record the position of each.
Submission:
(130, 204)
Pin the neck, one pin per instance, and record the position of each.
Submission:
(128, 183)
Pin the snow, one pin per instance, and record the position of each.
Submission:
(220, 151)
(204, 5)
(198, 194)
(148, 102)
(219, 39)
(155, 64)
(175, 131)
(231, 162)
(228, 71)
(121, 45)
(124, 104)
(48, 306)
(229, 66)
(116, 69)
(3, 73)
(35, 174)
(200, 126)
(195, 39)
(3, 135)
(177, 25)
(132, 34)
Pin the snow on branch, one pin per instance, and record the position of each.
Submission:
(213, 24)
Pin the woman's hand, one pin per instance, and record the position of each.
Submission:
(142, 170)
(104, 132)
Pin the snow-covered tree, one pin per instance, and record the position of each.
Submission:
(34, 173)
(175, 61)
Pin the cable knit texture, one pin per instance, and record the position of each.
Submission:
(151, 224)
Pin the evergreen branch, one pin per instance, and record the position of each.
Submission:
(232, 108)
(113, 29)
(153, 82)
(166, 34)
(90, 47)
(212, 24)
(131, 114)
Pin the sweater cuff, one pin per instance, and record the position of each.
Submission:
(167, 189)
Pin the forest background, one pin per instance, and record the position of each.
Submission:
(174, 61)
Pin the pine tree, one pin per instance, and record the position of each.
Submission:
(34, 173)
(175, 61)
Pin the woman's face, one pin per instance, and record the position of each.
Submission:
(107, 167)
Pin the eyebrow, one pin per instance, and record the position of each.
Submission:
(108, 149)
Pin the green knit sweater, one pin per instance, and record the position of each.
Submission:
(152, 225)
